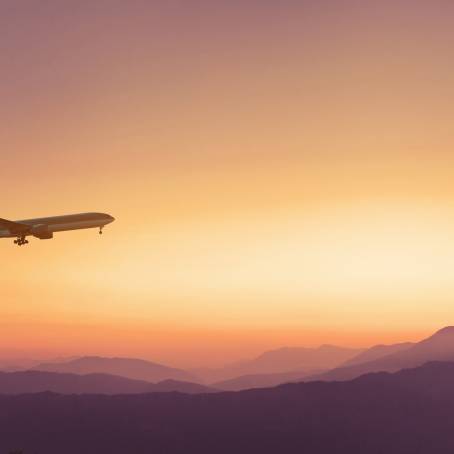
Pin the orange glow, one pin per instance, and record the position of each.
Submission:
(287, 184)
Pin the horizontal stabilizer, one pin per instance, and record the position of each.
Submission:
(13, 227)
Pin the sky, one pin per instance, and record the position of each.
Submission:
(281, 173)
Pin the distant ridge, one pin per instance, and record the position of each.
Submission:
(260, 381)
(376, 352)
(283, 360)
(288, 359)
(438, 347)
(137, 369)
(25, 382)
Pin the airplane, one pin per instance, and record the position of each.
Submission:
(44, 228)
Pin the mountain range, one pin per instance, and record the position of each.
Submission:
(282, 360)
(408, 412)
(38, 381)
(136, 369)
(391, 358)
(260, 380)
(438, 347)
(377, 351)
(284, 365)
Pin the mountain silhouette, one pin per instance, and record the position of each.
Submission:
(10, 363)
(63, 383)
(15, 364)
(438, 347)
(260, 381)
(137, 369)
(292, 358)
(408, 412)
(376, 352)
(282, 360)
(182, 387)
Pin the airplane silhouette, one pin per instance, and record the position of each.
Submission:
(44, 228)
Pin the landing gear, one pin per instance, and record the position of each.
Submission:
(100, 230)
(20, 241)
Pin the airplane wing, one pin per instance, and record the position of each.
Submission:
(13, 227)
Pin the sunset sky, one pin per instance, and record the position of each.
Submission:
(281, 173)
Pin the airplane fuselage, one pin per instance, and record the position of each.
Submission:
(44, 228)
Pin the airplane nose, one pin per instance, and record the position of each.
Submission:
(112, 218)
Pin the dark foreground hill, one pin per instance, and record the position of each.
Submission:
(38, 381)
(409, 412)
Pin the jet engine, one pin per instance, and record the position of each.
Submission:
(42, 232)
